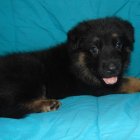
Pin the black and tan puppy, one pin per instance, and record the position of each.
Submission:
(91, 61)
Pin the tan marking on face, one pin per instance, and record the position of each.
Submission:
(83, 68)
(81, 59)
(84, 72)
(114, 35)
(81, 62)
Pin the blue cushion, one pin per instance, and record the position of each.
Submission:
(32, 25)
(113, 117)
(37, 24)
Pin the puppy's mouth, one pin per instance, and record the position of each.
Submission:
(110, 80)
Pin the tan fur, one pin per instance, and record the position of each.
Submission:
(82, 63)
(43, 105)
(130, 85)
(115, 35)
(87, 75)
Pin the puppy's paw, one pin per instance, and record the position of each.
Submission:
(130, 85)
(50, 105)
(43, 105)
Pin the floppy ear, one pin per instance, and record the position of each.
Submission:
(76, 34)
(128, 31)
(129, 34)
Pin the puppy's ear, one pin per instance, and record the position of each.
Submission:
(77, 31)
(129, 35)
(129, 29)
(76, 34)
(128, 32)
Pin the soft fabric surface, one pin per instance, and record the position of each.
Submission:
(113, 117)
(36, 24)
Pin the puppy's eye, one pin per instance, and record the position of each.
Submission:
(94, 50)
(118, 45)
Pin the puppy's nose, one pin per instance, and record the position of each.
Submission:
(112, 67)
(109, 69)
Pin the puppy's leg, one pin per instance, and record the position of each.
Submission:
(130, 85)
(22, 109)
(42, 105)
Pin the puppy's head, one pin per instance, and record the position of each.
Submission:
(100, 49)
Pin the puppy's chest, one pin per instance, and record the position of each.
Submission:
(60, 87)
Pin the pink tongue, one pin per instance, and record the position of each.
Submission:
(111, 80)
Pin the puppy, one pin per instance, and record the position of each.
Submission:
(91, 61)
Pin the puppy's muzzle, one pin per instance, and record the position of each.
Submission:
(109, 71)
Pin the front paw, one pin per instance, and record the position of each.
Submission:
(43, 105)
(130, 85)
(50, 105)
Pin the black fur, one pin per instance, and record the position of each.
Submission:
(76, 67)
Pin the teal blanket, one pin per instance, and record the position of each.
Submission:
(27, 25)
(113, 117)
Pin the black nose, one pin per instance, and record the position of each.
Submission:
(110, 68)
